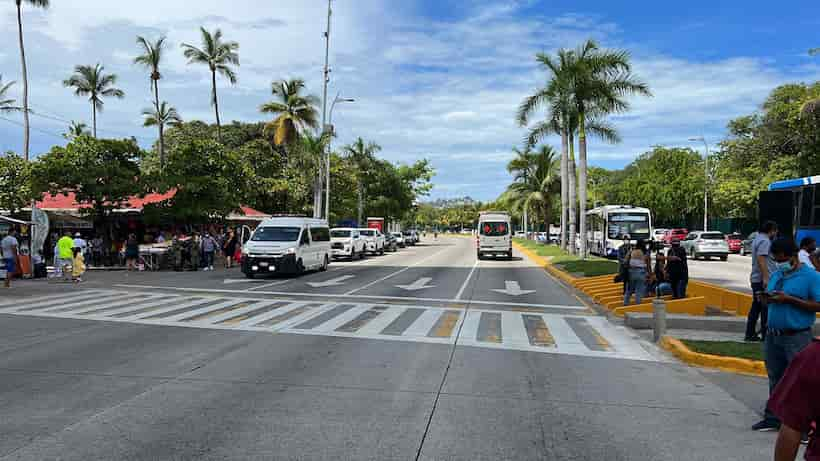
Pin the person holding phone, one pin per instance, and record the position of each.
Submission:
(793, 299)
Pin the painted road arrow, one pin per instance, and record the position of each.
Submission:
(420, 284)
(332, 282)
(513, 289)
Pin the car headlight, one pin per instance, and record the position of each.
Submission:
(246, 251)
(291, 251)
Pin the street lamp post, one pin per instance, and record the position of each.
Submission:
(317, 192)
(329, 130)
(705, 181)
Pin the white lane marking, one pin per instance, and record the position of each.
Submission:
(513, 289)
(375, 326)
(15, 303)
(157, 299)
(332, 282)
(467, 281)
(562, 333)
(214, 319)
(420, 284)
(57, 303)
(105, 305)
(422, 325)
(270, 284)
(261, 318)
(133, 314)
(245, 280)
(513, 331)
(341, 319)
(191, 313)
(470, 329)
(393, 274)
(346, 296)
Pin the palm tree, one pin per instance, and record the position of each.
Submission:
(26, 127)
(363, 155)
(601, 80)
(96, 84)
(151, 59)
(7, 104)
(535, 181)
(310, 151)
(294, 112)
(163, 115)
(219, 56)
(75, 130)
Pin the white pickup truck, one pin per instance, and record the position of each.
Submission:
(374, 240)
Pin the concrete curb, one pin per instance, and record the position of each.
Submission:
(730, 364)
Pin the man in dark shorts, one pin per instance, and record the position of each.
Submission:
(796, 402)
(8, 247)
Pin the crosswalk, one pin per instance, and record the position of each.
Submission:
(525, 330)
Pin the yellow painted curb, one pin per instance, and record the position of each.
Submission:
(731, 364)
(691, 306)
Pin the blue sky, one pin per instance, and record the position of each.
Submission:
(432, 79)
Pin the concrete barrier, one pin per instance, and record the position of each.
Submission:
(691, 306)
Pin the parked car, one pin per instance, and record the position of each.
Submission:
(700, 244)
(410, 237)
(735, 242)
(399, 239)
(345, 242)
(674, 234)
(374, 240)
(287, 245)
(390, 243)
(746, 245)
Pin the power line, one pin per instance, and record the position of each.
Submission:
(15, 122)
(52, 116)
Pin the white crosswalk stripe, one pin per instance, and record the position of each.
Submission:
(487, 328)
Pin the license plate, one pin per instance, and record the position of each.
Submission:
(263, 264)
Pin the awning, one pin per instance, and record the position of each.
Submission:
(67, 221)
(6, 219)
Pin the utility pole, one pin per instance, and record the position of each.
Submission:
(705, 181)
(317, 190)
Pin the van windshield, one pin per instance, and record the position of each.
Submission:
(276, 234)
(340, 233)
(495, 229)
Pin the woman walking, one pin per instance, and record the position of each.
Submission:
(638, 262)
(78, 265)
(229, 248)
(132, 252)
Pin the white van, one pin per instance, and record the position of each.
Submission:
(494, 234)
(290, 245)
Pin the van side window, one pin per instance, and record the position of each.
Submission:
(305, 238)
(320, 234)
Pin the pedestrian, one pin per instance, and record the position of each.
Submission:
(762, 267)
(623, 254)
(79, 242)
(97, 251)
(229, 248)
(677, 269)
(209, 247)
(9, 248)
(796, 403)
(195, 251)
(65, 253)
(132, 252)
(78, 266)
(638, 263)
(793, 300)
(808, 247)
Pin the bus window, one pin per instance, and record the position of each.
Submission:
(806, 206)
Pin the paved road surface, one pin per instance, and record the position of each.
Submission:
(732, 274)
(424, 354)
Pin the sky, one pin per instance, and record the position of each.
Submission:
(435, 79)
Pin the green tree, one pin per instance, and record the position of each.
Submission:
(102, 173)
(7, 104)
(601, 82)
(96, 84)
(24, 66)
(15, 183)
(219, 56)
(294, 111)
(151, 58)
(536, 181)
(75, 130)
(161, 116)
(363, 156)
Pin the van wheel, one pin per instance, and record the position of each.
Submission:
(724, 258)
(479, 256)
(300, 267)
(325, 264)
(509, 256)
(249, 275)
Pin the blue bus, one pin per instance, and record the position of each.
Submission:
(795, 205)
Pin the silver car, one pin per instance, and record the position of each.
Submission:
(700, 244)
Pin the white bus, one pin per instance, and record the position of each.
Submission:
(608, 224)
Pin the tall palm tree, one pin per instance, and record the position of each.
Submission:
(75, 130)
(219, 56)
(310, 151)
(363, 156)
(294, 111)
(163, 115)
(151, 57)
(7, 104)
(601, 81)
(26, 126)
(96, 84)
(535, 181)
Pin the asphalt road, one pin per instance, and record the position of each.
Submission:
(423, 354)
(732, 274)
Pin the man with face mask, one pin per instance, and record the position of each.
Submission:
(808, 247)
(762, 268)
(677, 269)
(793, 296)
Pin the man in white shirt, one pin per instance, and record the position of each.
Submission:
(79, 242)
(9, 247)
(808, 246)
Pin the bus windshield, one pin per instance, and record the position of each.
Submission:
(634, 224)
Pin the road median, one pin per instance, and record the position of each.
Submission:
(720, 362)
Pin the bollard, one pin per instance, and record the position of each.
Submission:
(659, 311)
